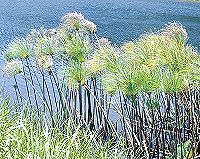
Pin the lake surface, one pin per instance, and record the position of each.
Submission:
(118, 20)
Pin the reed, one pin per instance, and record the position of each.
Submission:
(151, 85)
(21, 137)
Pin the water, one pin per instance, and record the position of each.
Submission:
(118, 20)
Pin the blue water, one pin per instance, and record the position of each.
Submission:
(118, 20)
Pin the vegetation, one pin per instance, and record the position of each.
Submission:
(75, 79)
(21, 136)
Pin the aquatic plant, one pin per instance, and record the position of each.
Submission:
(18, 49)
(150, 84)
(76, 21)
(13, 68)
(73, 20)
(176, 31)
(90, 26)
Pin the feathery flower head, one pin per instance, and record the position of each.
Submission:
(19, 48)
(103, 43)
(128, 47)
(77, 22)
(73, 20)
(45, 46)
(152, 39)
(76, 74)
(94, 64)
(175, 30)
(44, 61)
(90, 26)
(36, 34)
(105, 49)
(13, 68)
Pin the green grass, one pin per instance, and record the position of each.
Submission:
(22, 137)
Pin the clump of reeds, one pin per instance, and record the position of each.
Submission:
(151, 84)
(22, 136)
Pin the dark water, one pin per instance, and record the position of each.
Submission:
(118, 20)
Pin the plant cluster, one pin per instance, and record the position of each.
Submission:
(21, 136)
(151, 84)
